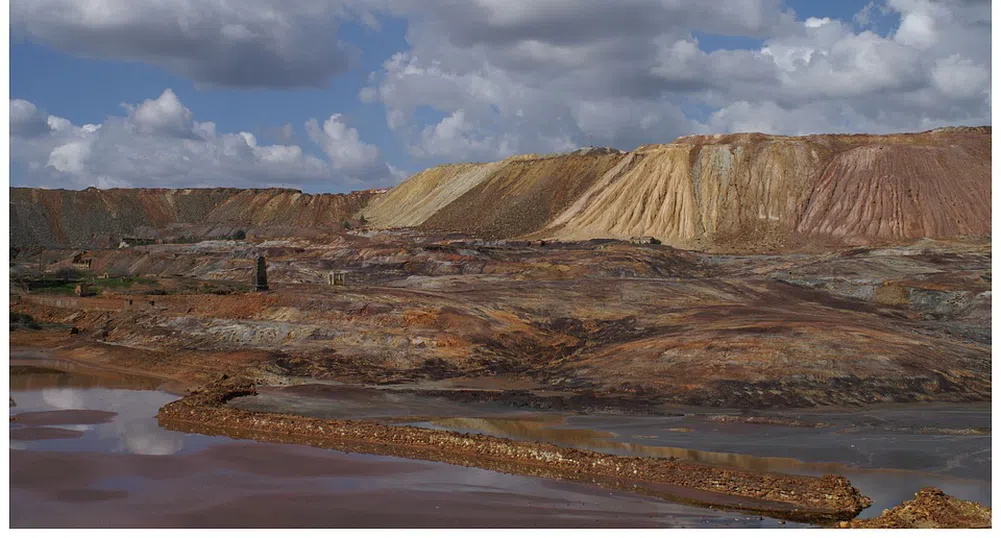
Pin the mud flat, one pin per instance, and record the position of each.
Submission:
(809, 499)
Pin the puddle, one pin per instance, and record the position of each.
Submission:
(885, 484)
(64, 416)
(33, 371)
(882, 453)
(109, 420)
(87, 455)
(43, 433)
(353, 402)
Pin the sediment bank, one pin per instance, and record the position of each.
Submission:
(800, 498)
(929, 509)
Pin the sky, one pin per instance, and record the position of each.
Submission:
(342, 95)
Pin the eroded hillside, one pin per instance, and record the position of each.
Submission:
(719, 192)
(737, 192)
(638, 324)
(41, 217)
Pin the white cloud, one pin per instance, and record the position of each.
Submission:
(398, 174)
(344, 147)
(959, 78)
(814, 22)
(286, 133)
(158, 143)
(918, 28)
(523, 76)
(70, 157)
(457, 135)
(163, 115)
(519, 76)
(483, 79)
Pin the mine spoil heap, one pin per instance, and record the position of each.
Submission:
(929, 509)
(736, 192)
(810, 499)
(721, 192)
(68, 218)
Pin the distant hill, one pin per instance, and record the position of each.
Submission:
(714, 192)
(739, 191)
(41, 217)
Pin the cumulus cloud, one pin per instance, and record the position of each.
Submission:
(159, 143)
(344, 147)
(164, 115)
(483, 79)
(233, 43)
(524, 76)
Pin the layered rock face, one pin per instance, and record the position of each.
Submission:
(40, 217)
(741, 191)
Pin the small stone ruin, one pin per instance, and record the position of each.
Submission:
(336, 278)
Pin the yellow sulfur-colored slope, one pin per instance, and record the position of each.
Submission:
(415, 200)
(690, 194)
(653, 196)
(733, 191)
(753, 192)
(523, 195)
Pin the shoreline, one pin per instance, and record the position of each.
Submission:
(824, 500)
(827, 501)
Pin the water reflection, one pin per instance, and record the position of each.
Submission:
(544, 430)
(105, 478)
(886, 487)
(39, 374)
(872, 458)
(63, 398)
(148, 438)
(132, 428)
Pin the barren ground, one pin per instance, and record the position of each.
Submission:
(582, 327)
(576, 325)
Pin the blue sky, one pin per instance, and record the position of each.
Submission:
(42, 74)
(467, 83)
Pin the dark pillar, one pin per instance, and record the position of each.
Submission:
(260, 275)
